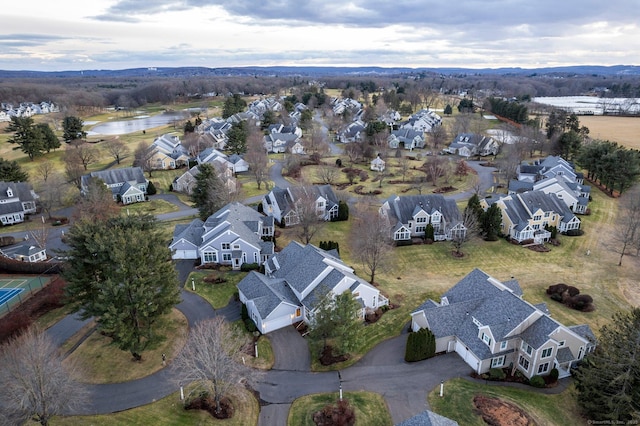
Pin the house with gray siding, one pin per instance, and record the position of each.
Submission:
(490, 325)
(127, 185)
(283, 203)
(288, 293)
(409, 216)
(233, 235)
(17, 200)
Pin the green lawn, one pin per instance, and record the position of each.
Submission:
(169, 411)
(218, 295)
(546, 410)
(370, 408)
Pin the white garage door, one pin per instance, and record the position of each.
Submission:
(277, 323)
(185, 254)
(467, 356)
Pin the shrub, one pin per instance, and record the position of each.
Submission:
(497, 374)
(553, 375)
(429, 232)
(340, 413)
(244, 313)
(151, 189)
(250, 325)
(246, 267)
(557, 289)
(420, 345)
(573, 291)
(574, 232)
(537, 382)
(581, 302)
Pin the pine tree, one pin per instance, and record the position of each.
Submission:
(608, 380)
(491, 223)
(119, 271)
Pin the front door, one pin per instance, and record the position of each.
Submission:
(236, 263)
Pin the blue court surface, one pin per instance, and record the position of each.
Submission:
(7, 294)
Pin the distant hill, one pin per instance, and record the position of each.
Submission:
(322, 71)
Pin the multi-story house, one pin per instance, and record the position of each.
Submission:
(17, 199)
(128, 185)
(410, 215)
(288, 293)
(283, 204)
(525, 216)
(233, 235)
(489, 325)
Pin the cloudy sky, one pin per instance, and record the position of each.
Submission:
(57, 35)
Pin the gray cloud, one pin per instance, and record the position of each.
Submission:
(27, 40)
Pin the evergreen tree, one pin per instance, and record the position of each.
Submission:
(49, 139)
(233, 105)
(237, 135)
(491, 223)
(119, 271)
(189, 127)
(343, 211)
(448, 110)
(72, 129)
(209, 194)
(25, 135)
(336, 320)
(608, 380)
(429, 232)
(10, 171)
(474, 205)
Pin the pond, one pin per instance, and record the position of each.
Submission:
(137, 124)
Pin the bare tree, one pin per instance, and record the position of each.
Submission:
(509, 161)
(257, 158)
(438, 136)
(469, 230)
(627, 229)
(52, 191)
(211, 360)
(72, 170)
(143, 157)
(34, 383)
(310, 218)
(434, 167)
(353, 151)
(82, 153)
(328, 174)
(371, 240)
(45, 169)
(116, 148)
(404, 165)
(97, 202)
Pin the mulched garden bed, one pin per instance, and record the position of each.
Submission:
(207, 404)
(327, 357)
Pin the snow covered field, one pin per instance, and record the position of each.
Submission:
(591, 105)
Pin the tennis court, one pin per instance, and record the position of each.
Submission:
(14, 291)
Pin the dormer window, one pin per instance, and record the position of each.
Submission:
(421, 219)
(9, 192)
(486, 339)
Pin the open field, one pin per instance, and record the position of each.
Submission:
(624, 130)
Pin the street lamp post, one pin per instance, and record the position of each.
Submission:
(193, 284)
(441, 387)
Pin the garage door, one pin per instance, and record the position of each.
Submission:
(467, 356)
(277, 323)
(185, 254)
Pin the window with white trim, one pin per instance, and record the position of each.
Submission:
(421, 219)
(503, 345)
(497, 362)
(486, 338)
(226, 246)
(226, 257)
(210, 257)
(523, 362)
(543, 368)
(546, 353)
(528, 349)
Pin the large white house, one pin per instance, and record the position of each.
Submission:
(489, 325)
(17, 199)
(296, 281)
(283, 204)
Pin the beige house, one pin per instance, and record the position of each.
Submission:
(489, 325)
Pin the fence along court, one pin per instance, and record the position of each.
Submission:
(15, 290)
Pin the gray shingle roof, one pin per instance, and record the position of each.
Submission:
(114, 176)
(191, 232)
(428, 418)
(402, 208)
(491, 303)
